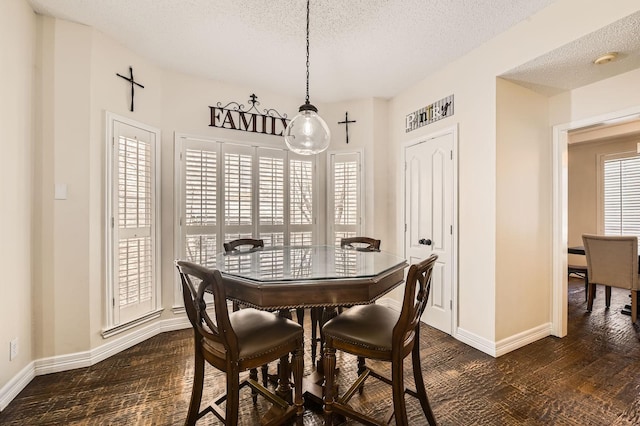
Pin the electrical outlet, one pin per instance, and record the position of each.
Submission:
(13, 349)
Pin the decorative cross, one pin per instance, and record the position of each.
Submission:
(346, 123)
(253, 99)
(130, 80)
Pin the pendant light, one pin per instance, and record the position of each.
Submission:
(307, 133)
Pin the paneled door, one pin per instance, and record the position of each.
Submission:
(429, 219)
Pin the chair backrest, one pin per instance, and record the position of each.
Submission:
(236, 244)
(416, 295)
(196, 282)
(612, 260)
(360, 243)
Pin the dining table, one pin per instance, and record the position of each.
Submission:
(281, 278)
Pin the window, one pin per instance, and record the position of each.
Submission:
(621, 195)
(133, 276)
(345, 196)
(229, 190)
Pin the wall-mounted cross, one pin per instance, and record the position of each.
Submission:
(133, 83)
(346, 123)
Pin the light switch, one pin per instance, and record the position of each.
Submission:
(60, 191)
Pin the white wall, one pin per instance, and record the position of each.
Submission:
(17, 69)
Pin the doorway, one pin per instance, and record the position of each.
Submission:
(559, 306)
(430, 215)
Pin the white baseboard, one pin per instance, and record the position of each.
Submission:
(522, 339)
(390, 303)
(15, 385)
(66, 362)
(511, 343)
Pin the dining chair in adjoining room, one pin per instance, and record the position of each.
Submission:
(612, 261)
(580, 271)
(381, 333)
(360, 243)
(235, 343)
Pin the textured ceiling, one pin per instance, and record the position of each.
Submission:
(571, 65)
(359, 48)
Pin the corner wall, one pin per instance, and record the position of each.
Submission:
(17, 70)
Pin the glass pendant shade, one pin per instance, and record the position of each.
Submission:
(307, 133)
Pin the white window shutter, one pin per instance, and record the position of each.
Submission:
(622, 196)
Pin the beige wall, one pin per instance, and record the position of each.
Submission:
(523, 204)
(472, 80)
(17, 69)
(76, 84)
(584, 162)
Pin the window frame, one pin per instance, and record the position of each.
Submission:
(113, 324)
(223, 145)
(330, 201)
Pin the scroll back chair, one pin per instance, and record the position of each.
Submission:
(381, 333)
(237, 246)
(612, 261)
(354, 243)
(234, 343)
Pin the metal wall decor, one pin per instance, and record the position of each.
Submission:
(430, 113)
(133, 84)
(233, 116)
(346, 123)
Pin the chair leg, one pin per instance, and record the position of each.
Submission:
(253, 375)
(300, 316)
(592, 294)
(607, 296)
(298, 371)
(329, 361)
(316, 314)
(265, 375)
(196, 390)
(233, 396)
(420, 389)
(397, 384)
(634, 305)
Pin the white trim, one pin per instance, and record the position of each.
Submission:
(110, 332)
(72, 361)
(477, 342)
(390, 303)
(330, 192)
(519, 340)
(559, 302)
(16, 384)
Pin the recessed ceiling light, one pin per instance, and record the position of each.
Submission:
(604, 59)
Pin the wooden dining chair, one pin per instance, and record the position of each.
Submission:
(381, 333)
(237, 342)
(353, 243)
(360, 243)
(612, 261)
(243, 244)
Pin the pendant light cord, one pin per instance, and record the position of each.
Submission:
(307, 98)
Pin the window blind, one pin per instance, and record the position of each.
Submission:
(622, 196)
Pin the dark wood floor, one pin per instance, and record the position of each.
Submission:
(590, 377)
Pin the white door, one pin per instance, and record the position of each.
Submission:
(429, 219)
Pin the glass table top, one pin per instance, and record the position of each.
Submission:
(300, 263)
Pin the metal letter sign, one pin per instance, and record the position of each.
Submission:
(233, 116)
(430, 113)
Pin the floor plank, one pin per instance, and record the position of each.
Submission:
(590, 377)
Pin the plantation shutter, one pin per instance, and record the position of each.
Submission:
(622, 196)
(301, 201)
(238, 192)
(200, 202)
(134, 223)
(271, 196)
(345, 196)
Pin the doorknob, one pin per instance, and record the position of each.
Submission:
(426, 242)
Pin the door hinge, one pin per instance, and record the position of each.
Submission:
(451, 304)
(451, 154)
(405, 227)
(112, 222)
(113, 303)
(451, 229)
